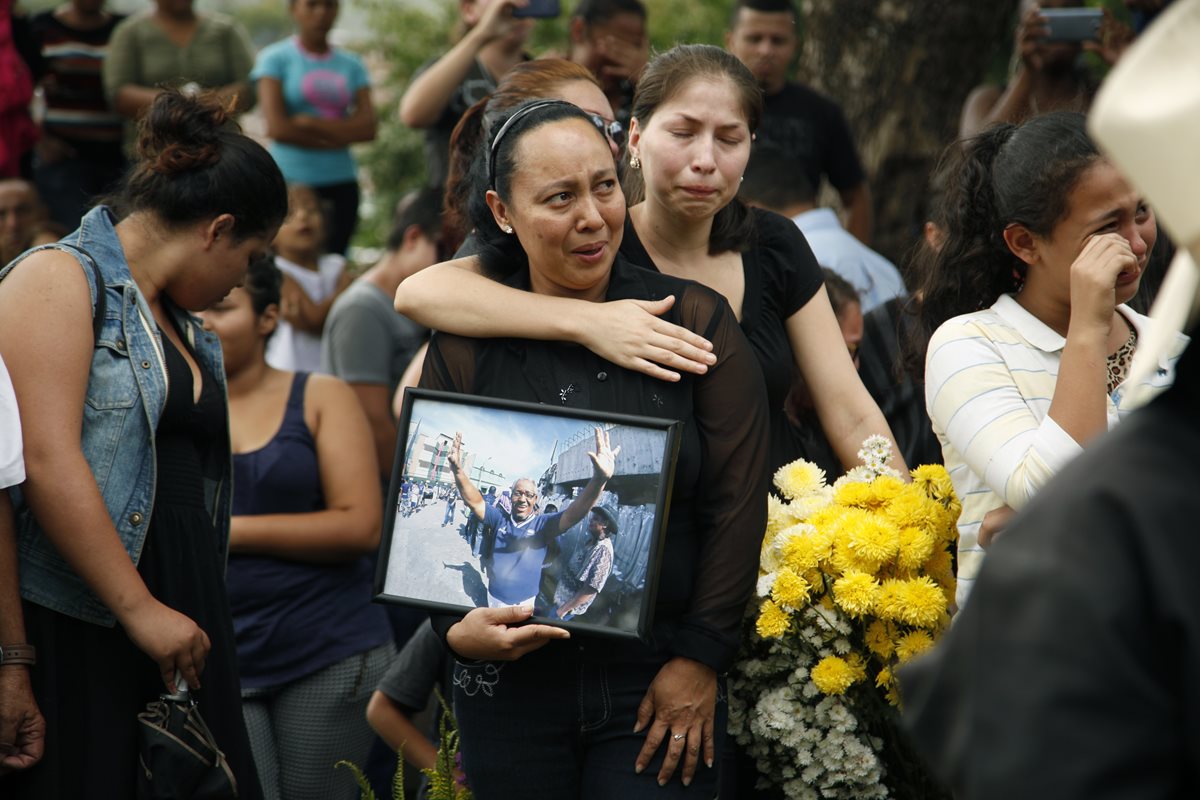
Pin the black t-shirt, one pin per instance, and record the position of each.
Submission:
(1070, 672)
(717, 513)
(804, 125)
(782, 275)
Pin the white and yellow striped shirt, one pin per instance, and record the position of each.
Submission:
(989, 380)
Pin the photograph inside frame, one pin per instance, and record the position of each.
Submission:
(496, 503)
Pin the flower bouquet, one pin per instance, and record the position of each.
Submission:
(855, 578)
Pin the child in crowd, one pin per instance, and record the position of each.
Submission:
(316, 99)
(312, 280)
(404, 691)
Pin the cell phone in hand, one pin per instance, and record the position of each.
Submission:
(539, 8)
(1072, 24)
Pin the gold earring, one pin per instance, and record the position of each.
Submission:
(635, 162)
(506, 228)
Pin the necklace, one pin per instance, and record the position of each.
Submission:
(1118, 362)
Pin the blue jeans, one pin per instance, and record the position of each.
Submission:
(558, 722)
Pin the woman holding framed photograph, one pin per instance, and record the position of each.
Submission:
(694, 117)
(549, 214)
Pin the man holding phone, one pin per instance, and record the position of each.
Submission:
(1048, 77)
(798, 123)
(445, 87)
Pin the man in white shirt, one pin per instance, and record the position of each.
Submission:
(777, 184)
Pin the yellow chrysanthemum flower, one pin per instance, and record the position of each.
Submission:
(799, 478)
(854, 495)
(909, 507)
(773, 621)
(885, 678)
(871, 537)
(855, 593)
(804, 548)
(778, 518)
(940, 567)
(878, 638)
(916, 547)
(912, 644)
(790, 590)
(917, 602)
(934, 480)
(832, 675)
(884, 489)
(858, 666)
(802, 508)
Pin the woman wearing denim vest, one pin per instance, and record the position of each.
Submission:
(123, 522)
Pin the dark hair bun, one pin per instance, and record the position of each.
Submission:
(181, 133)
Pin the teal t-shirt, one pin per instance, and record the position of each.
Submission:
(319, 84)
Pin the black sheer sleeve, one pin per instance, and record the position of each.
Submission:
(731, 496)
(449, 367)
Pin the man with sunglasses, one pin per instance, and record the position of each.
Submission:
(521, 535)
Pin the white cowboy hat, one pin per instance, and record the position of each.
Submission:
(1146, 118)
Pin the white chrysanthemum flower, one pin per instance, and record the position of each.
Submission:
(876, 452)
(854, 475)
(765, 582)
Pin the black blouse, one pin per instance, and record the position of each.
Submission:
(782, 275)
(717, 512)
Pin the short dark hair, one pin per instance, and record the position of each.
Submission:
(774, 181)
(195, 163)
(596, 11)
(422, 208)
(765, 6)
(841, 292)
(263, 283)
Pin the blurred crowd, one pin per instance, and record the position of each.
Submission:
(219, 338)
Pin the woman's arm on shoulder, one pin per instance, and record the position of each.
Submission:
(847, 412)
(46, 342)
(350, 523)
(454, 296)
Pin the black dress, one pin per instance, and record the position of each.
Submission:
(91, 681)
(781, 276)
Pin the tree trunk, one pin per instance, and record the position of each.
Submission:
(901, 70)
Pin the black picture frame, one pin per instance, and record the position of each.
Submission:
(431, 558)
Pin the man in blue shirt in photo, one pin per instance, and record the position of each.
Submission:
(522, 534)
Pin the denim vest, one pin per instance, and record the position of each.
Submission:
(126, 394)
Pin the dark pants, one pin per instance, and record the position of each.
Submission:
(558, 722)
(341, 218)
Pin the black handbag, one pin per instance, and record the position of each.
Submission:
(178, 758)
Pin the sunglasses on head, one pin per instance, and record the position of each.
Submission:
(610, 128)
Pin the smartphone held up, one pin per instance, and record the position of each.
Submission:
(539, 9)
(1072, 24)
